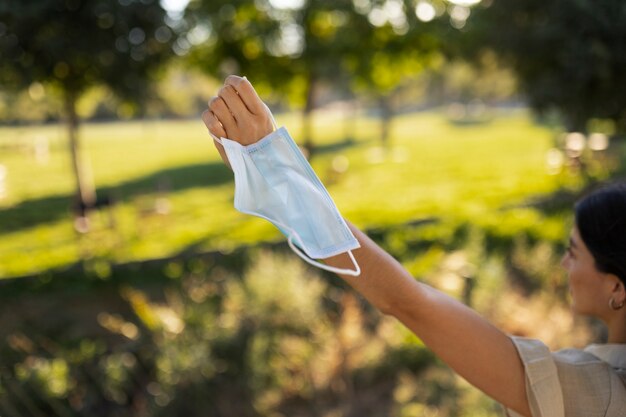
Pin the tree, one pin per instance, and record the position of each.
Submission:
(287, 50)
(399, 48)
(72, 45)
(239, 36)
(569, 56)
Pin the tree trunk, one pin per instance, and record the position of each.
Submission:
(85, 193)
(575, 122)
(385, 115)
(620, 126)
(349, 124)
(306, 115)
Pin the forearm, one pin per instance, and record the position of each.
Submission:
(468, 343)
(383, 280)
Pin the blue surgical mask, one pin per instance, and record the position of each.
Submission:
(274, 181)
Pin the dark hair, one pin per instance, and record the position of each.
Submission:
(601, 222)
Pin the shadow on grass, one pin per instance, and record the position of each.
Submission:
(38, 211)
(338, 146)
(34, 212)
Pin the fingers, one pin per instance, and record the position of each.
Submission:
(246, 93)
(213, 124)
(215, 127)
(232, 113)
(233, 101)
(223, 114)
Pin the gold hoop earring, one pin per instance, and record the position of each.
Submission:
(616, 307)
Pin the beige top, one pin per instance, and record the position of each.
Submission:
(573, 382)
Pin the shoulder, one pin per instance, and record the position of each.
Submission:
(594, 355)
(580, 382)
(577, 358)
(592, 380)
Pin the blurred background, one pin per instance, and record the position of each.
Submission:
(456, 133)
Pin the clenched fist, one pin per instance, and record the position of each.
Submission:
(237, 113)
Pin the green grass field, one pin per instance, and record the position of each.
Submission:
(433, 168)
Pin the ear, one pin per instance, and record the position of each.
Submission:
(618, 290)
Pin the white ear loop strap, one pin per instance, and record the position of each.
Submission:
(355, 273)
(293, 234)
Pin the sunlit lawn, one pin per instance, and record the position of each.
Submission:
(432, 168)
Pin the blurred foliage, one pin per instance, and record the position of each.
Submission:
(226, 37)
(400, 48)
(568, 56)
(180, 93)
(486, 80)
(294, 50)
(258, 332)
(73, 45)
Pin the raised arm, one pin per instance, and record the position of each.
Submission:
(468, 343)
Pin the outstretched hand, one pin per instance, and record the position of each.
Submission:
(237, 113)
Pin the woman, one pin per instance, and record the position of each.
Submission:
(519, 373)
